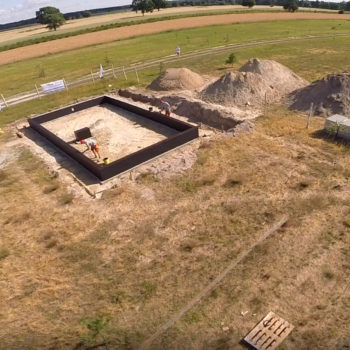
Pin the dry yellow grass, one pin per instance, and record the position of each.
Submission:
(135, 259)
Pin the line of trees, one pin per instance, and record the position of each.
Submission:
(148, 5)
(328, 5)
(53, 18)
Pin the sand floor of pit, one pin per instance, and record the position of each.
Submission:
(118, 132)
(76, 42)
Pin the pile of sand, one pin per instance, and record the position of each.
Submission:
(239, 89)
(330, 95)
(275, 74)
(256, 82)
(177, 79)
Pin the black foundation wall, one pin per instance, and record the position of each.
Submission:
(186, 133)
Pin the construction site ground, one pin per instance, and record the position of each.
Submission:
(151, 243)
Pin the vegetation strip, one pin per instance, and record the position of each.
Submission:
(130, 23)
(212, 285)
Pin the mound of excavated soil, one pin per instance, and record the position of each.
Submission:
(275, 74)
(330, 95)
(177, 79)
(240, 89)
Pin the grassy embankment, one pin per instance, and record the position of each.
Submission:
(313, 57)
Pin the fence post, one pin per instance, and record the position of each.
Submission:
(113, 72)
(310, 115)
(3, 98)
(37, 91)
(126, 78)
(92, 77)
(265, 104)
(137, 76)
(65, 84)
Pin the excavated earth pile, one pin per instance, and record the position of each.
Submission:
(239, 89)
(275, 74)
(226, 103)
(195, 110)
(177, 79)
(330, 95)
(257, 82)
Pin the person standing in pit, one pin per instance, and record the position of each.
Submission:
(165, 107)
(93, 146)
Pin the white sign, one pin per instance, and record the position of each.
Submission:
(53, 86)
(269, 332)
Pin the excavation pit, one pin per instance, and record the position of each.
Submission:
(126, 134)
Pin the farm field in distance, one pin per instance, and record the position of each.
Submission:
(76, 272)
(21, 76)
(37, 31)
(113, 34)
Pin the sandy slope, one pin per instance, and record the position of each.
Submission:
(84, 40)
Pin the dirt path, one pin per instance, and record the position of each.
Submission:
(110, 35)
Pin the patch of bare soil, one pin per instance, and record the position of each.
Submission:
(329, 95)
(177, 79)
(66, 44)
(280, 77)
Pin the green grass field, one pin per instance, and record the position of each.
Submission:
(64, 32)
(312, 59)
(22, 76)
(122, 22)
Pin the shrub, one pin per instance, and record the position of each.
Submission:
(66, 198)
(4, 253)
(231, 59)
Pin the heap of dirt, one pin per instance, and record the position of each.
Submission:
(257, 82)
(275, 74)
(177, 79)
(239, 89)
(330, 95)
(195, 110)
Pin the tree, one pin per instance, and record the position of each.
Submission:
(50, 16)
(291, 6)
(158, 4)
(135, 5)
(249, 3)
(143, 6)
